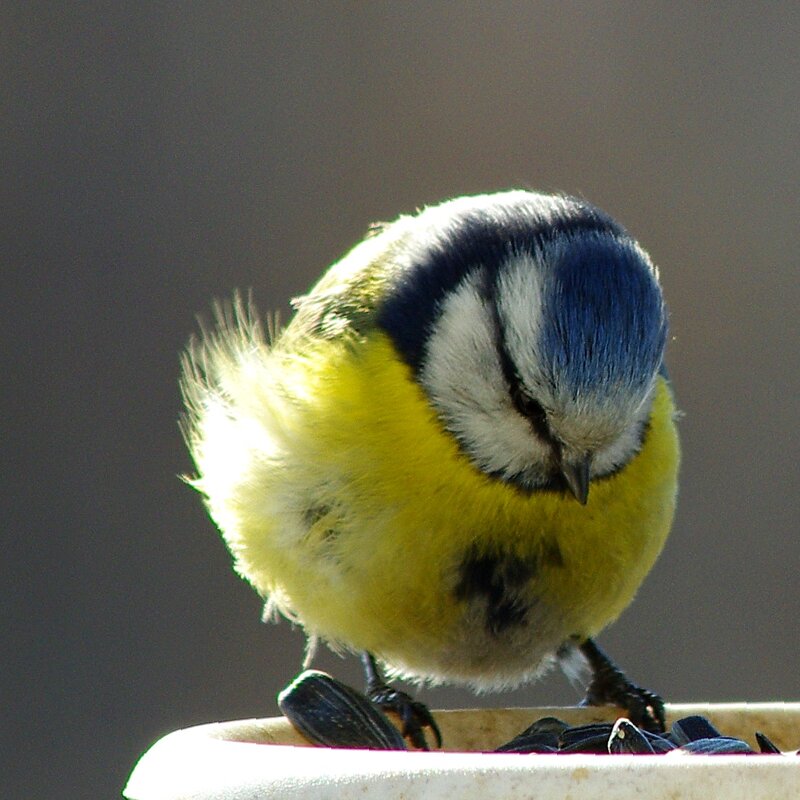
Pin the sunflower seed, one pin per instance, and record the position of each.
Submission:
(330, 713)
(627, 738)
(716, 746)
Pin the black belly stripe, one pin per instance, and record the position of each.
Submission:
(498, 580)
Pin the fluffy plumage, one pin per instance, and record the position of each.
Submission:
(398, 469)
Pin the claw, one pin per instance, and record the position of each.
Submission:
(610, 686)
(414, 715)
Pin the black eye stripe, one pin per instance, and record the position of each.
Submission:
(527, 406)
(532, 410)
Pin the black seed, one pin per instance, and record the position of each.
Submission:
(627, 738)
(660, 744)
(330, 713)
(764, 744)
(529, 744)
(592, 738)
(551, 735)
(717, 746)
(541, 737)
(551, 725)
(689, 729)
(596, 744)
(578, 732)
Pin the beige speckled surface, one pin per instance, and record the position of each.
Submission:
(257, 759)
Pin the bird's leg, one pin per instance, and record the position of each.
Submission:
(414, 715)
(608, 685)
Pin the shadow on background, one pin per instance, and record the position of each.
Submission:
(156, 158)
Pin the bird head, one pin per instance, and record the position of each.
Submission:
(536, 326)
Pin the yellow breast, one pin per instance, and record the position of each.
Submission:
(359, 516)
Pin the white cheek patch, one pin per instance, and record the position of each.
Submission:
(519, 304)
(462, 375)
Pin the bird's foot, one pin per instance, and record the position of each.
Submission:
(414, 716)
(609, 685)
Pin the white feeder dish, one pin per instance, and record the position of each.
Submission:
(258, 759)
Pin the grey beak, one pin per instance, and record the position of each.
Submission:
(576, 474)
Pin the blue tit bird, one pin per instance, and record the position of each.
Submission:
(460, 456)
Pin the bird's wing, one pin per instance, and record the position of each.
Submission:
(345, 301)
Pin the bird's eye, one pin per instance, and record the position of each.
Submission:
(530, 408)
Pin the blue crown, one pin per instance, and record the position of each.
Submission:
(604, 314)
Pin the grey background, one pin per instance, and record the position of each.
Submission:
(156, 156)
